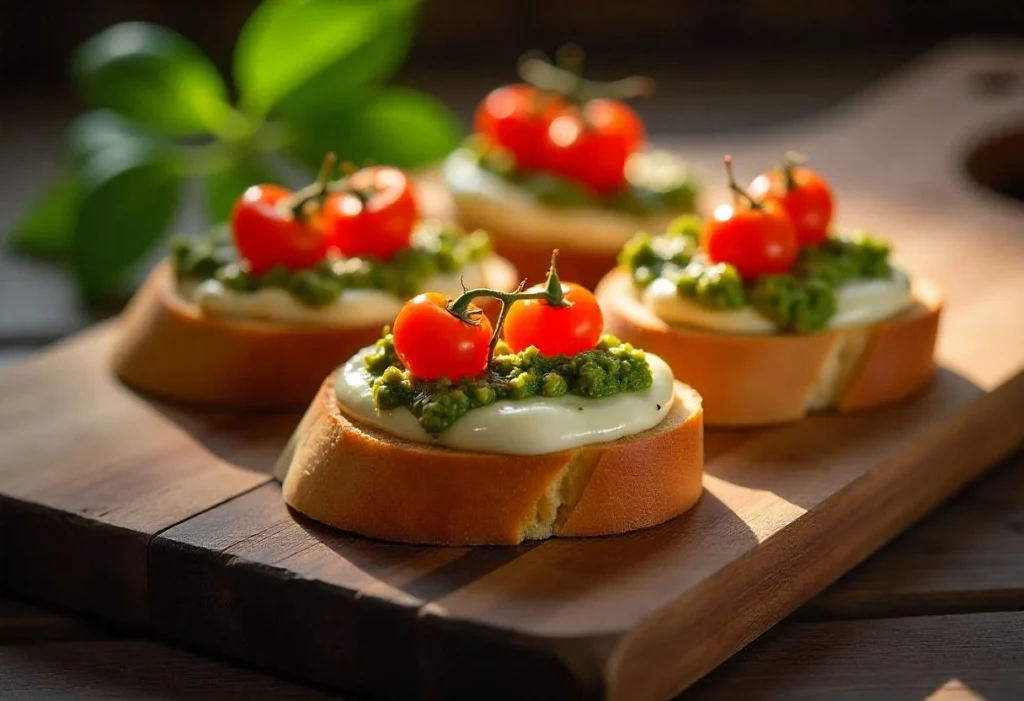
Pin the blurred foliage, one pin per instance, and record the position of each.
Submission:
(310, 78)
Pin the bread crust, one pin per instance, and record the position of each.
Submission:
(579, 260)
(169, 348)
(750, 380)
(357, 478)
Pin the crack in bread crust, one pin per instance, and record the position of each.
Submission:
(557, 504)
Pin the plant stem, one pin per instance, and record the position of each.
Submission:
(552, 293)
(364, 194)
(300, 199)
(201, 159)
(565, 79)
(738, 191)
(231, 125)
(792, 160)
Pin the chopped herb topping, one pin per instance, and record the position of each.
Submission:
(801, 302)
(436, 250)
(611, 368)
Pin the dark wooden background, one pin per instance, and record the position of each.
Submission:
(35, 37)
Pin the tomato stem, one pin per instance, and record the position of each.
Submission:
(552, 294)
(792, 160)
(570, 57)
(312, 195)
(563, 77)
(326, 170)
(344, 185)
(739, 192)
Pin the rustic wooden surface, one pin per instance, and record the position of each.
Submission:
(236, 562)
(92, 470)
(784, 514)
(44, 656)
(978, 538)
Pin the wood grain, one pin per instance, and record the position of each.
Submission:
(90, 471)
(24, 623)
(786, 511)
(938, 658)
(130, 670)
(967, 557)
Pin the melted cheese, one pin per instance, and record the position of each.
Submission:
(352, 308)
(857, 303)
(498, 205)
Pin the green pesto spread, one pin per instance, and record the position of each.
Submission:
(669, 189)
(611, 368)
(802, 301)
(435, 251)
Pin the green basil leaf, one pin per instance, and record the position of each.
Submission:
(225, 185)
(372, 63)
(96, 131)
(129, 197)
(396, 126)
(287, 44)
(154, 77)
(47, 226)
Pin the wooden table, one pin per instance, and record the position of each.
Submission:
(938, 614)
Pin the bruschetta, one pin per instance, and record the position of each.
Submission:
(560, 162)
(256, 312)
(439, 434)
(770, 311)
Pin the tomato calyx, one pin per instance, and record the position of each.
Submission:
(363, 191)
(306, 203)
(552, 293)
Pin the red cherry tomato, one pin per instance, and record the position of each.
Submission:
(516, 117)
(433, 343)
(555, 330)
(268, 234)
(808, 203)
(592, 146)
(374, 216)
(755, 241)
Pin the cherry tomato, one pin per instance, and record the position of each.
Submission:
(592, 146)
(516, 117)
(268, 234)
(555, 330)
(756, 241)
(374, 216)
(808, 203)
(433, 343)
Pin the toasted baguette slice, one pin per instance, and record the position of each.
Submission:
(750, 380)
(357, 478)
(170, 348)
(525, 236)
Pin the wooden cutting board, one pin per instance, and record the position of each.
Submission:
(166, 518)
